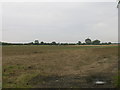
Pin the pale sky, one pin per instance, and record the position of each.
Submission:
(59, 21)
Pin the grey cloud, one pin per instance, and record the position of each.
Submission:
(62, 22)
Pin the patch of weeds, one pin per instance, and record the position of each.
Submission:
(13, 67)
(117, 81)
(5, 74)
(8, 82)
(10, 70)
(22, 80)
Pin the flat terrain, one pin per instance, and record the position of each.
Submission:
(59, 66)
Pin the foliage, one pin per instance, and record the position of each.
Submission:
(117, 81)
(88, 41)
(36, 42)
(79, 43)
(53, 43)
(96, 42)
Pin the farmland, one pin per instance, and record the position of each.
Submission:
(77, 66)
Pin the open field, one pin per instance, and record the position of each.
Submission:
(59, 66)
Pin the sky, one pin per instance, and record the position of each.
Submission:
(59, 21)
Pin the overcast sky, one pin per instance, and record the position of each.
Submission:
(60, 21)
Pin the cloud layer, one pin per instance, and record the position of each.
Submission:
(61, 22)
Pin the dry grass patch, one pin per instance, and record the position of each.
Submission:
(25, 65)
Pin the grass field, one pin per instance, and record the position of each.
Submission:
(59, 66)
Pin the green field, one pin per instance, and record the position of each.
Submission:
(58, 66)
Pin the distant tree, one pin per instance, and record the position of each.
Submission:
(53, 43)
(96, 42)
(72, 43)
(42, 43)
(36, 42)
(88, 41)
(104, 43)
(58, 43)
(109, 43)
(79, 43)
(31, 43)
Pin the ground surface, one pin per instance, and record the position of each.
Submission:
(59, 66)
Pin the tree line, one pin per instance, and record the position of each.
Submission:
(36, 42)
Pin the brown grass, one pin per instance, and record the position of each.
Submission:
(41, 66)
